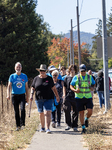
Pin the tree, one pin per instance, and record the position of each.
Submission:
(24, 37)
(58, 52)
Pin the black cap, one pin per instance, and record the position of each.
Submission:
(82, 67)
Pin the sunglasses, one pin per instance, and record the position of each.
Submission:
(42, 70)
(54, 75)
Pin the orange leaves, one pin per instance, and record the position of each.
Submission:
(58, 51)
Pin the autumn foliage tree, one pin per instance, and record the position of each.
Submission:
(58, 52)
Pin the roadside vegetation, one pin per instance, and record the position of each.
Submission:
(9, 138)
(99, 133)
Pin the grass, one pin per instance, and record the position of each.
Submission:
(9, 138)
(99, 132)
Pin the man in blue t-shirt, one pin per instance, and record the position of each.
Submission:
(19, 83)
(82, 84)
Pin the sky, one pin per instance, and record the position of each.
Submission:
(58, 14)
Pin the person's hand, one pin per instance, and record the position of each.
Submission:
(63, 96)
(8, 97)
(91, 88)
(77, 91)
(31, 97)
(27, 100)
(58, 99)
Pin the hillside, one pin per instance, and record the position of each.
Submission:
(84, 36)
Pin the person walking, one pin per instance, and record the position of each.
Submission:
(19, 83)
(44, 87)
(69, 101)
(57, 106)
(81, 85)
(63, 71)
(90, 73)
(100, 88)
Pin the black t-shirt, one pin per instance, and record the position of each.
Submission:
(67, 82)
(99, 84)
(43, 87)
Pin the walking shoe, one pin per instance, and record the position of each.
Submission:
(48, 131)
(86, 122)
(67, 128)
(75, 129)
(22, 127)
(83, 131)
(58, 124)
(53, 125)
(17, 129)
(42, 130)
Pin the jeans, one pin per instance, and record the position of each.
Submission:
(19, 99)
(101, 98)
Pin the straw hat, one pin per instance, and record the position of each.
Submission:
(42, 67)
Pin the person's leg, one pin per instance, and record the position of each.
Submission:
(48, 118)
(89, 106)
(100, 98)
(67, 110)
(53, 116)
(89, 113)
(42, 120)
(74, 115)
(58, 108)
(81, 115)
(48, 108)
(40, 104)
(15, 103)
(22, 107)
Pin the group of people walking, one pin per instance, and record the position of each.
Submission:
(55, 91)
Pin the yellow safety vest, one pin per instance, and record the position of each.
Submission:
(84, 86)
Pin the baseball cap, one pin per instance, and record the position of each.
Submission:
(82, 67)
(51, 68)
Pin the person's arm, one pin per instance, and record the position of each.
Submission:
(64, 91)
(74, 90)
(26, 88)
(8, 90)
(31, 93)
(56, 93)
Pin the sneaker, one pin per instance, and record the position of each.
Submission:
(53, 125)
(67, 128)
(22, 127)
(86, 123)
(58, 124)
(83, 131)
(75, 129)
(42, 130)
(17, 129)
(48, 131)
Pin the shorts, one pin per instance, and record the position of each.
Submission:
(44, 104)
(84, 103)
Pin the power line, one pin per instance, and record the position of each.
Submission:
(81, 7)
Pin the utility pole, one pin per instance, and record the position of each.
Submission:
(72, 49)
(105, 57)
(68, 56)
(78, 32)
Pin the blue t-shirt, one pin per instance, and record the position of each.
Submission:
(18, 83)
(59, 77)
(73, 82)
(64, 77)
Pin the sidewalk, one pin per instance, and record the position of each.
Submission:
(59, 139)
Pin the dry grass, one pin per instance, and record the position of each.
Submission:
(9, 138)
(99, 133)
